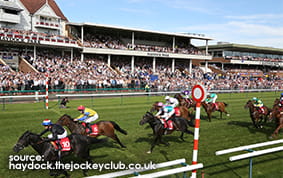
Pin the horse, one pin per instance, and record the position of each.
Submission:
(79, 146)
(179, 124)
(106, 128)
(276, 114)
(184, 112)
(188, 103)
(255, 115)
(209, 108)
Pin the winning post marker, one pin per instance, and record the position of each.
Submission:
(199, 95)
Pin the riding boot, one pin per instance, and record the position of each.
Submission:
(59, 148)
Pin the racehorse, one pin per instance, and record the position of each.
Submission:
(106, 128)
(209, 109)
(184, 112)
(79, 146)
(189, 103)
(276, 114)
(256, 115)
(179, 124)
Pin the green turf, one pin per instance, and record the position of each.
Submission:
(229, 132)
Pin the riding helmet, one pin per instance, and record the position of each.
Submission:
(81, 108)
(46, 122)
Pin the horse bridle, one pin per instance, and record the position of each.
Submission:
(20, 146)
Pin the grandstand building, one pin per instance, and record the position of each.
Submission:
(248, 60)
(29, 26)
(115, 43)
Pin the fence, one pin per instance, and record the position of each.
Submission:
(136, 172)
(252, 153)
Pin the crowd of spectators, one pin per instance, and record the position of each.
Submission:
(94, 73)
(103, 41)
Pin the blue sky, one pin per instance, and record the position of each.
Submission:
(254, 22)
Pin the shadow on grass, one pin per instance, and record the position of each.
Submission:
(266, 127)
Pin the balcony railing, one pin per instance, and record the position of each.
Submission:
(54, 39)
(44, 24)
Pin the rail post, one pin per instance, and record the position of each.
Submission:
(199, 95)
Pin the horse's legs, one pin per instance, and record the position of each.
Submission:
(182, 136)
(209, 116)
(275, 133)
(156, 138)
(115, 137)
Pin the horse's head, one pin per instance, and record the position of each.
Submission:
(178, 96)
(146, 118)
(26, 139)
(276, 102)
(249, 104)
(64, 120)
(275, 113)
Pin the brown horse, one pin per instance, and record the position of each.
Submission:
(184, 111)
(209, 109)
(106, 128)
(276, 114)
(256, 116)
(189, 103)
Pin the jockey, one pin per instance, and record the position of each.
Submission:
(57, 131)
(164, 112)
(281, 100)
(186, 94)
(211, 98)
(258, 104)
(171, 101)
(87, 115)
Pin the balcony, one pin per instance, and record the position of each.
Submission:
(10, 18)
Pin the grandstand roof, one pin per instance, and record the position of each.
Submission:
(186, 35)
(34, 5)
(244, 47)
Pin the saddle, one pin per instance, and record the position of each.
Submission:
(177, 111)
(215, 106)
(260, 110)
(168, 124)
(62, 144)
(94, 129)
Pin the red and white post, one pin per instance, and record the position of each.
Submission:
(46, 91)
(199, 95)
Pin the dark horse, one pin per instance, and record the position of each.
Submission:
(179, 124)
(184, 112)
(276, 114)
(106, 128)
(209, 109)
(256, 116)
(188, 103)
(79, 146)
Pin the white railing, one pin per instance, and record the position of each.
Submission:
(136, 172)
(252, 153)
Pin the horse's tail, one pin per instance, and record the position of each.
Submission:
(225, 104)
(117, 127)
(93, 140)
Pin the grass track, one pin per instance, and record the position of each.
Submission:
(219, 134)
